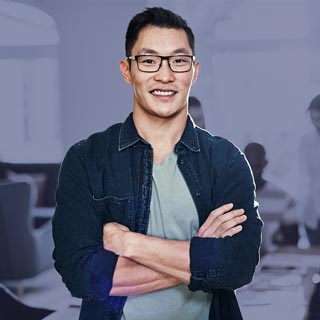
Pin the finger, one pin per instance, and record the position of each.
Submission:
(216, 230)
(216, 213)
(219, 211)
(232, 216)
(228, 225)
(215, 224)
(231, 232)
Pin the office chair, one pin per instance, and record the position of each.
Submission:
(11, 308)
(24, 251)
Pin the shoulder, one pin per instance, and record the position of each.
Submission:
(216, 145)
(222, 158)
(97, 143)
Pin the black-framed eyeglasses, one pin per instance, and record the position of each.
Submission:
(152, 63)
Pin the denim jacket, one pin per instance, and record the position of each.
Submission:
(108, 177)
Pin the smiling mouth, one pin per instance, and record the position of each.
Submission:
(163, 93)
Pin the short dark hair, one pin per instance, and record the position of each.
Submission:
(158, 17)
(195, 102)
(256, 148)
(315, 103)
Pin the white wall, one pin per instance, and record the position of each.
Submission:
(93, 94)
(259, 68)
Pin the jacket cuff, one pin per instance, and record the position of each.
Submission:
(202, 272)
(103, 264)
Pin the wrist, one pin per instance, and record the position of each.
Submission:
(130, 241)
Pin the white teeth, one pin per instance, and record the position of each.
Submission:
(162, 93)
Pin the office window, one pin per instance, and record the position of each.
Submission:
(29, 85)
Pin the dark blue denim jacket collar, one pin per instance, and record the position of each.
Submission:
(129, 135)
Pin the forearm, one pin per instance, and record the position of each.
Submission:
(170, 257)
(131, 278)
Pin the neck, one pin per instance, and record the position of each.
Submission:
(259, 182)
(161, 133)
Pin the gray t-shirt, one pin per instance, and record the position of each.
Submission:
(173, 215)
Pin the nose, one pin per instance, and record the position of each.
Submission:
(164, 74)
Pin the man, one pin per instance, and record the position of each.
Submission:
(156, 218)
(276, 206)
(196, 112)
(310, 175)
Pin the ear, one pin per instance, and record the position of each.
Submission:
(125, 70)
(196, 71)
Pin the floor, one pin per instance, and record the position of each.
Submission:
(46, 291)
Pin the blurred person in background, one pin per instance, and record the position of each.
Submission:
(196, 111)
(310, 175)
(276, 206)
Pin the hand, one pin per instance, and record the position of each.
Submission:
(113, 237)
(222, 222)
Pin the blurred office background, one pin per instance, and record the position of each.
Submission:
(60, 78)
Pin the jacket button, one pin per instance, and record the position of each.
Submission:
(198, 194)
(181, 161)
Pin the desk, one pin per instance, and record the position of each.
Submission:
(71, 313)
(42, 212)
(41, 215)
(281, 288)
(48, 184)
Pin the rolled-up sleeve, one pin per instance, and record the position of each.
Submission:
(229, 263)
(86, 268)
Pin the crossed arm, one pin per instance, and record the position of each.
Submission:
(148, 263)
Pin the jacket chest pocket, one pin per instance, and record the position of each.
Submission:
(113, 209)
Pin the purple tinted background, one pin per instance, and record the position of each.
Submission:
(259, 70)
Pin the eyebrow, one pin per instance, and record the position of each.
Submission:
(177, 51)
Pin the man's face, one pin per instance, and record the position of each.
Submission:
(162, 94)
(315, 118)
